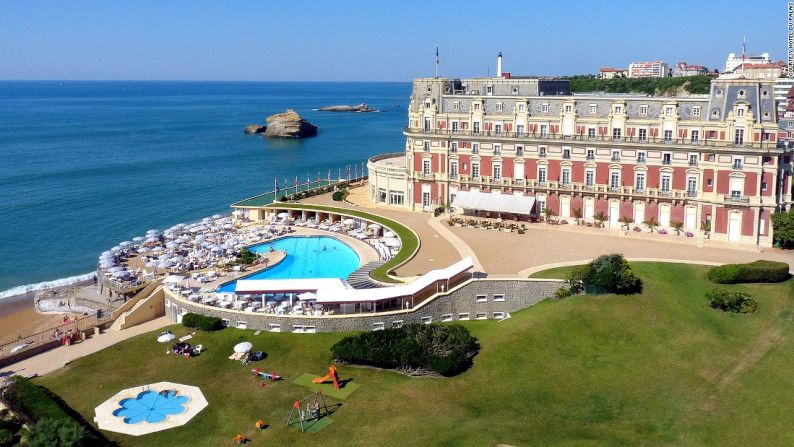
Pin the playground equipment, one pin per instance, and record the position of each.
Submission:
(332, 375)
(265, 375)
(313, 409)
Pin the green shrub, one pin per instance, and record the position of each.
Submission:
(416, 348)
(757, 271)
(338, 196)
(607, 273)
(246, 257)
(202, 322)
(437, 211)
(7, 437)
(731, 301)
(562, 293)
(25, 397)
(61, 433)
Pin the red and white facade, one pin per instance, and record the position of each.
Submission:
(709, 161)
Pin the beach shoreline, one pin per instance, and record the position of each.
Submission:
(19, 317)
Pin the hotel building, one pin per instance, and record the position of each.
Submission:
(522, 145)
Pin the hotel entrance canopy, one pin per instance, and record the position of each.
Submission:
(499, 203)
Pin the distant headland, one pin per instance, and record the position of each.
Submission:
(361, 108)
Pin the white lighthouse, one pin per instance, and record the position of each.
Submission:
(499, 65)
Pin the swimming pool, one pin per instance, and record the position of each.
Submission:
(307, 257)
(150, 406)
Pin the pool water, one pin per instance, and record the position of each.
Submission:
(150, 406)
(307, 257)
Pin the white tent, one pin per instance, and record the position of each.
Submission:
(173, 279)
(243, 347)
(500, 203)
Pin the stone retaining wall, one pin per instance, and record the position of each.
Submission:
(474, 299)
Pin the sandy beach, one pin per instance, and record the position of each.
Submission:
(18, 316)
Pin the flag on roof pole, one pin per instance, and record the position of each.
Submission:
(338, 174)
(438, 61)
(307, 179)
(318, 177)
(355, 171)
(275, 183)
(296, 184)
(329, 176)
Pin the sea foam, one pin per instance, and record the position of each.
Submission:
(18, 290)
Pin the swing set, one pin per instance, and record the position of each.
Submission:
(315, 410)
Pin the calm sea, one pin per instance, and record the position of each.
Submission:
(85, 165)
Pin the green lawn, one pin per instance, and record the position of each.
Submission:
(660, 368)
(409, 239)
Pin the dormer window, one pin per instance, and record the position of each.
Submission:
(593, 108)
(741, 93)
(643, 109)
(764, 93)
(544, 108)
(521, 107)
(489, 89)
(427, 104)
(618, 109)
(668, 111)
(696, 111)
(740, 111)
(455, 105)
(719, 92)
(568, 108)
(515, 90)
(476, 106)
(499, 107)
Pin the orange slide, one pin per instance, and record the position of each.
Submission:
(331, 375)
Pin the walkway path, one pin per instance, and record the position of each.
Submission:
(439, 224)
(57, 358)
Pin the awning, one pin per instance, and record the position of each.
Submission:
(500, 203)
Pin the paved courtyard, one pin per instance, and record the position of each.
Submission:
(513, 254)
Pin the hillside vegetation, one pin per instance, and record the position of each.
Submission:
(651, 86)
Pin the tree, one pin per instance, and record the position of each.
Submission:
(549, 214)
(626, 221)
(577, 214)
(677, 226)
(651, 223)
(600, 217)
(783, 227)
(610, 273)
(61, 432)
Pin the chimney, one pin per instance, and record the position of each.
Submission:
(499, 65)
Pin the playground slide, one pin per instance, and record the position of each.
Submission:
(332, 376)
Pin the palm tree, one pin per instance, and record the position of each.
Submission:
(549, 214)
(677, 226)
(600, 217)
(706, 227)
(626, 220)
(577, 214)
(651, 223)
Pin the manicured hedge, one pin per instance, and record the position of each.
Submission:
(757, 271)
(202, 322)
(416, 349)
(731, 301)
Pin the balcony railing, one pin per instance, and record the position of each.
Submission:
(734, 198)
(425, 176)
(705, 142)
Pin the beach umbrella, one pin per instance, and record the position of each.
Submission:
(216, 216)
(283, 215)
(361, 236)
(151, 264)
(138, 239)
(116, 248)
(389, 234)
(152, 240)
(307, 296)
(171, 245)
(243, 347)
(152, 232)
(348, 221)
(173, 279)
(206, 220)
(163, 265)
(374, 226)
(394, 243)
(227, 226)
(165, 338)
(143, 249)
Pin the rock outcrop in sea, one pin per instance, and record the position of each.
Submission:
(284, 125)
(357, 108)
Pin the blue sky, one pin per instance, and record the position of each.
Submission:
(376, 40)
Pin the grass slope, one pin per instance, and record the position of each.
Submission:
(661, 368)
(409, 239)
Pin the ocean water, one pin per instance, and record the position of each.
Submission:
(85, 165)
